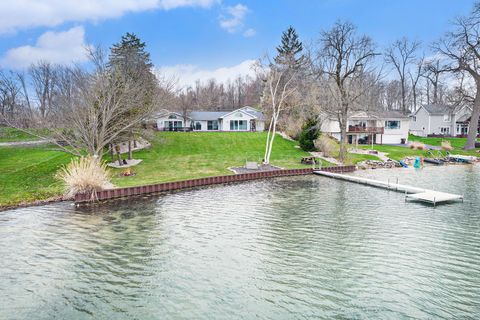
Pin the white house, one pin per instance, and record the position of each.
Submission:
(243, 119)
(439, 119)
(367, 127)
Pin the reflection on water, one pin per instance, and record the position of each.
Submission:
(296, 247)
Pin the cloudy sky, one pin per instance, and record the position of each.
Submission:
(200, 39)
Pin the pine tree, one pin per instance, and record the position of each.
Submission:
(130, 64)
(290, 51)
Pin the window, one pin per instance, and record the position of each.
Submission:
(447, 118)
(445, 130)
(198, 125)
(414, 119)
(172, 125)
(172, 116)
(392, 124)
(236, 125)
(212, 125)
(462, 128)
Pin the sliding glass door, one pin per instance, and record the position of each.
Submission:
(238, 125)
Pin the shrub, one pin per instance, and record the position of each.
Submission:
(84, 175)
(446, 145)
(327, 145)
(416, 145)
(308, 135)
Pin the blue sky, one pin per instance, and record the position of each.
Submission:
(197, 37)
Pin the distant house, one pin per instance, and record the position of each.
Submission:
(243, 119)
(439, 119)
(367, 127)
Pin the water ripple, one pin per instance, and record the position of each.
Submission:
(295, 247)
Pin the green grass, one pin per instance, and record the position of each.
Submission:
(456, 143)
(399, 153)
(179, 155)
(354, 158)
(13, 135)
(27, 173)
(395, 152)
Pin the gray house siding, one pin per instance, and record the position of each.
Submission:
(432, 121)
(419, 124)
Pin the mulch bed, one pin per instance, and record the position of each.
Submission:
(261, 168)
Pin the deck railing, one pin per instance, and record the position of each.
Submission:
(361, 129)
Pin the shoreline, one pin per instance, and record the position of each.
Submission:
(61, 198)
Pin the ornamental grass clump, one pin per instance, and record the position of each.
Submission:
(446, 145)
(85, 175)
(416, 145)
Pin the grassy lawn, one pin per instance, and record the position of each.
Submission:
(12, 135)
(395, 152)
(27, 173)
(354, 158)
(456, 143)
(398, 153)
(184, 155)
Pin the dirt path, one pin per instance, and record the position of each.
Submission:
(23, 143)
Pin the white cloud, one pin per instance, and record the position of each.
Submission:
(233, 20)
(22, 14)
(57, 47)
(249, 33)
(188, 74)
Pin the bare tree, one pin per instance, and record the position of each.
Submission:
(401, 54)
(462, 49)
(279, 86)
(432, 72)
(344, 58)
(186, 102)
(43, 76)
(415, 76)
(97, 107)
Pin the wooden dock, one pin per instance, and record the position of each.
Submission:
(420, 194)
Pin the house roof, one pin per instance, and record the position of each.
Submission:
(207, 115)
(438, 109)
(378, 114)
(214, 115)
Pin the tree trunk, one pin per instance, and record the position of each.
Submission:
(267, 143)
(473, 128)
(130, 150)
(343, 141)
(271, 139)
(112, 152)
(343, 117)
(117, 148)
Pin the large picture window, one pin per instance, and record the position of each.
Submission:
(237, 125)
(392, 124)
(212, 125)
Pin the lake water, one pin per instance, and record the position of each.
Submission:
(285, 248)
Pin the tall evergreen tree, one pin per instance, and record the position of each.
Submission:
(129, 54)
(130, 66)
(290, 51)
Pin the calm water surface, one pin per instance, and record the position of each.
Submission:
(287, 248)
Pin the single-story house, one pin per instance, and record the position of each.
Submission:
(367, 127)
(440, 119)
(242, 119)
